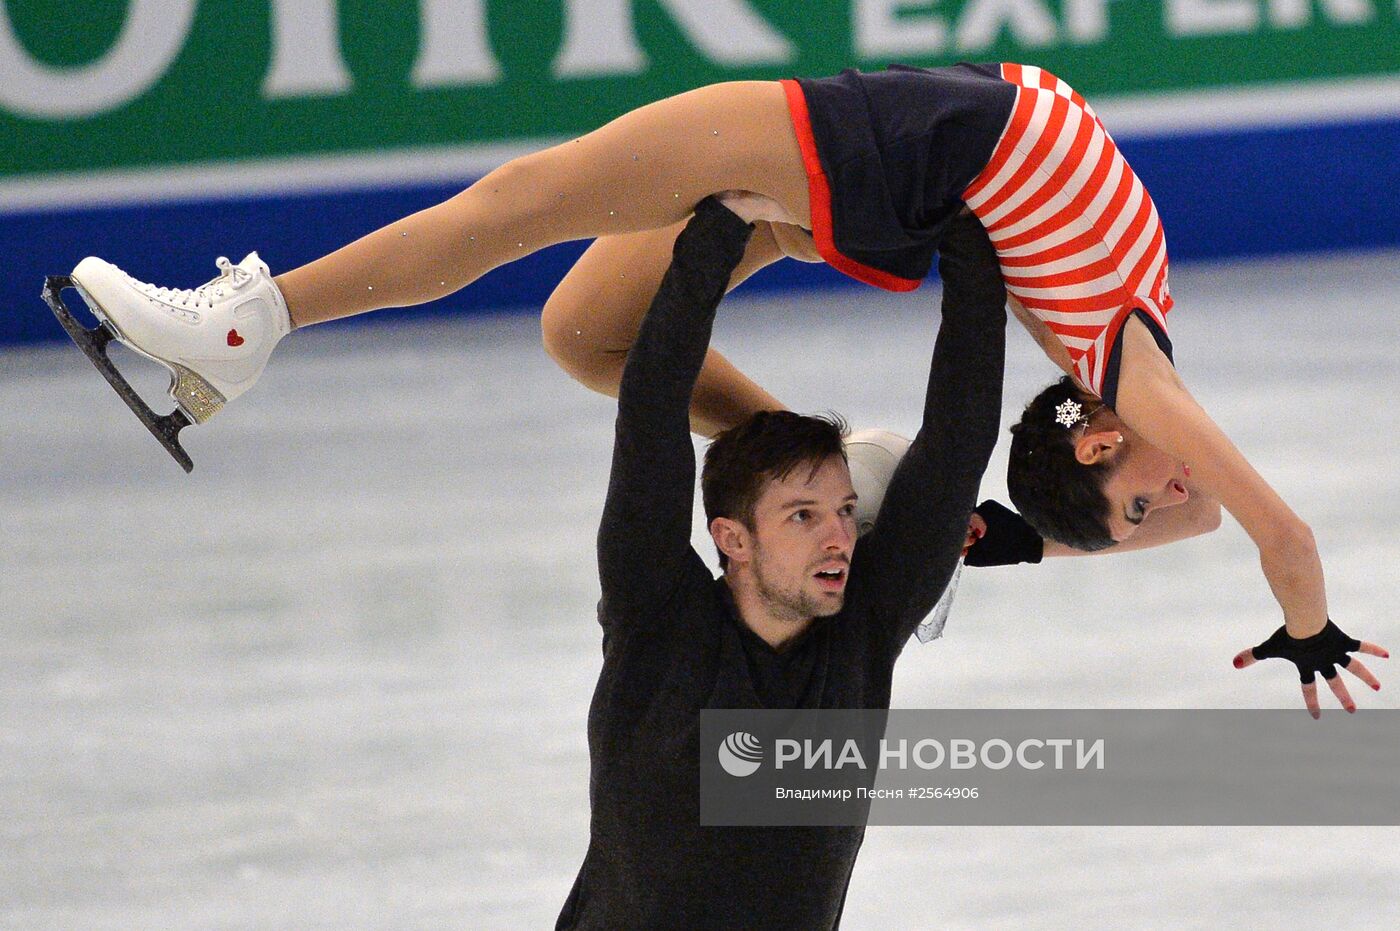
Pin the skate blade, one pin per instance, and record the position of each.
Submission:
(196, 397)
(93, 342)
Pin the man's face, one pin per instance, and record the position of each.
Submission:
(803, 535)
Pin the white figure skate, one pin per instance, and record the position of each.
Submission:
(872, 456)
(214, 340)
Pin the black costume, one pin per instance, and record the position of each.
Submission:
(673, 644)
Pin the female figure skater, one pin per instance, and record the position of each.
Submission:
(874, 165)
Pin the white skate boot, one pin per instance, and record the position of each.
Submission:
(214, 339)
(872, 456)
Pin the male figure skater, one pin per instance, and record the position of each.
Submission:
(800, 618)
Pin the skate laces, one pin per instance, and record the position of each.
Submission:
(231, 276)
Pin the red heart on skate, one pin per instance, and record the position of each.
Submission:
(234, 339)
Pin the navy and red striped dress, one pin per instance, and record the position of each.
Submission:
(891, 156)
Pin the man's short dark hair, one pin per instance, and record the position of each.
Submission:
(1061, 497)
(764, 448)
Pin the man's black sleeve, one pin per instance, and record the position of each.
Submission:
(645, 531)
(922, 524)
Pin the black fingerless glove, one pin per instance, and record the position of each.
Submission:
(1008, 540)
(1311, 655)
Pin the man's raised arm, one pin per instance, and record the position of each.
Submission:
(922, 523)
(645, 531)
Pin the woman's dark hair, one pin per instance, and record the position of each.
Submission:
(766, 447)
(1061, 497)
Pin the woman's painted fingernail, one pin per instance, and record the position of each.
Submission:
(1239, 662)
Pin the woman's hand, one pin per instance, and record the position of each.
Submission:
(1322, 652)
(998, 536)
(976, 530)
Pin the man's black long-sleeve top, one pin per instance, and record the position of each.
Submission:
(673, 644)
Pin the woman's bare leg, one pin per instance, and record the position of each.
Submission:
(644, 170)
(591, 321)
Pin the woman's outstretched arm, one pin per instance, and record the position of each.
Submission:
(1153, 401)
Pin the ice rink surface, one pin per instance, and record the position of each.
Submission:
(338, 677)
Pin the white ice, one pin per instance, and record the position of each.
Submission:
(338, 677)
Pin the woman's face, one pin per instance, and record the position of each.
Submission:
(1144, 480)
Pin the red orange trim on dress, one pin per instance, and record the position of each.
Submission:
(819, 193)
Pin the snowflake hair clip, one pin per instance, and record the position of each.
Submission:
(1068, 413)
